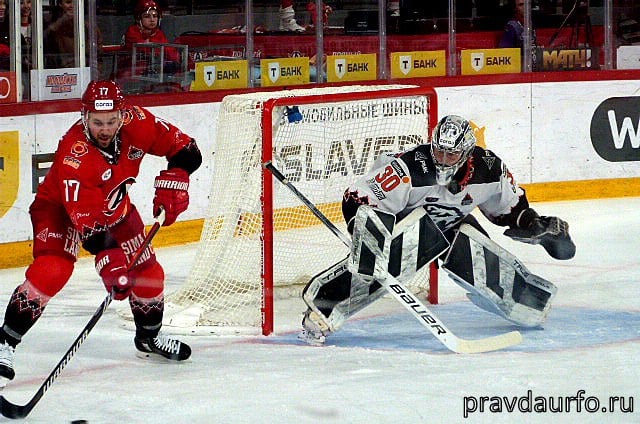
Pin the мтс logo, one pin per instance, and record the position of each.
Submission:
(615, 129)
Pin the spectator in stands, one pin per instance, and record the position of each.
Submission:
(5, 49)
(326, 11)
(514, 29)
(288, 17)
(25, 36)
(146, 29)
(25, 31)
(59, 37)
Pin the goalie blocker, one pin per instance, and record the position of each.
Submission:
(380, 247)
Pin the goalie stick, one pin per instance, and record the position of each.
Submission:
(405, 297)
(12, 410)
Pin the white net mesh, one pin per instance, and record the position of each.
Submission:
(320, 154)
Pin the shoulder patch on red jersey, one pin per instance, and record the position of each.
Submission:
(127, 117)
(72, 162)
(138, 112)
(134, 153)
(79, 148)
(132, 112)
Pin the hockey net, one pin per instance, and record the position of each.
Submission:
(321, 139)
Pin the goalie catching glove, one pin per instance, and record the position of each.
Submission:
(111, 265)
(172, 194)
(549, 231)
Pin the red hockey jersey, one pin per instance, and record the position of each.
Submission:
(92, 186)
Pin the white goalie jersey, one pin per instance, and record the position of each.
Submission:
(402, 182)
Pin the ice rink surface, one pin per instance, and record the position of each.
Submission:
(382, 367)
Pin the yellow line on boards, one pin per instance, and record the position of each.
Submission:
(16, 254)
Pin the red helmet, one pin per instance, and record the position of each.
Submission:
(144, 6)
(102, 96)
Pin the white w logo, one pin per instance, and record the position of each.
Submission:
(627, 128)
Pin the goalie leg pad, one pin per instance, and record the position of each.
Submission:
(336, 294)
(493, 276)
(383, 246)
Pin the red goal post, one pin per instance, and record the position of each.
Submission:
(270, 107)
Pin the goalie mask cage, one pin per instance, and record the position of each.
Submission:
(258, 241)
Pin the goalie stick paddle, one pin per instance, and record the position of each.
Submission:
(12, 410)
(419, 311)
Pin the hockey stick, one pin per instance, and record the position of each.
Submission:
(12, 410)
(406, 298)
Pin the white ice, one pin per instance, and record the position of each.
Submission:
(382, 367)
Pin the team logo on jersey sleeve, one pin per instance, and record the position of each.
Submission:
(134, 153)
(489, 160)
(127, 117)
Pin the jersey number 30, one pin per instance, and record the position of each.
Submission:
(388, 179)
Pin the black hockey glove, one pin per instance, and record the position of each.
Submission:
(549, 231)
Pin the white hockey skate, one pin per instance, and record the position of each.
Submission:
(7, 353)
(162, 347)
(314, 330)
(288, 20)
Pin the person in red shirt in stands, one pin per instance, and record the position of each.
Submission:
(146, 29)
(288, 17)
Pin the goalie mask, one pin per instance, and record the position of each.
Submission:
(451, 144)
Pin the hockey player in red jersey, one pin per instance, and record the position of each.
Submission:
(84, 200)
(448, 177)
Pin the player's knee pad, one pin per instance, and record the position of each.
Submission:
(49, 273)
(149, 280)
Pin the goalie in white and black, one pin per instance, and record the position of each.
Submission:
(448, 178)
